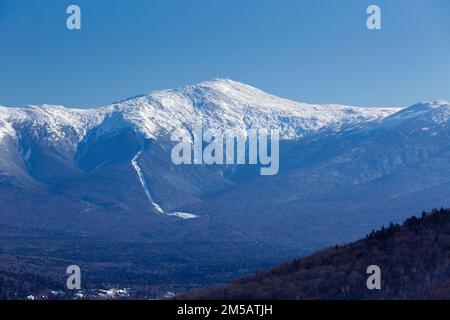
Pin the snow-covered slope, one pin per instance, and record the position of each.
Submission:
(220, 103)
(432, 113)
(52, 123)
(224, 103)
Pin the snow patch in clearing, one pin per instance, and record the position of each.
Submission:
(183, 215)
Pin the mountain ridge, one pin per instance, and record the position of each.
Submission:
(222, 96)
(413, 259)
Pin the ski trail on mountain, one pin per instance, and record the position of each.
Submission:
(144, 184)
(156, 206)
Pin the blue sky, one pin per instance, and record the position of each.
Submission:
(312, 51)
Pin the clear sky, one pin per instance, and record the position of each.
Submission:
(312, 51)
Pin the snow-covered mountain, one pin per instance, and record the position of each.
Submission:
(229, 104)
(50, 144)
(107, 172)
(220, 103)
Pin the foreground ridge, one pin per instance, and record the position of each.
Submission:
(413, 257)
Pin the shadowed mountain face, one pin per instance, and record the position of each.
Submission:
(106, 174)
(413, 261)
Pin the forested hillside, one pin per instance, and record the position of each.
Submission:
(414, 259)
